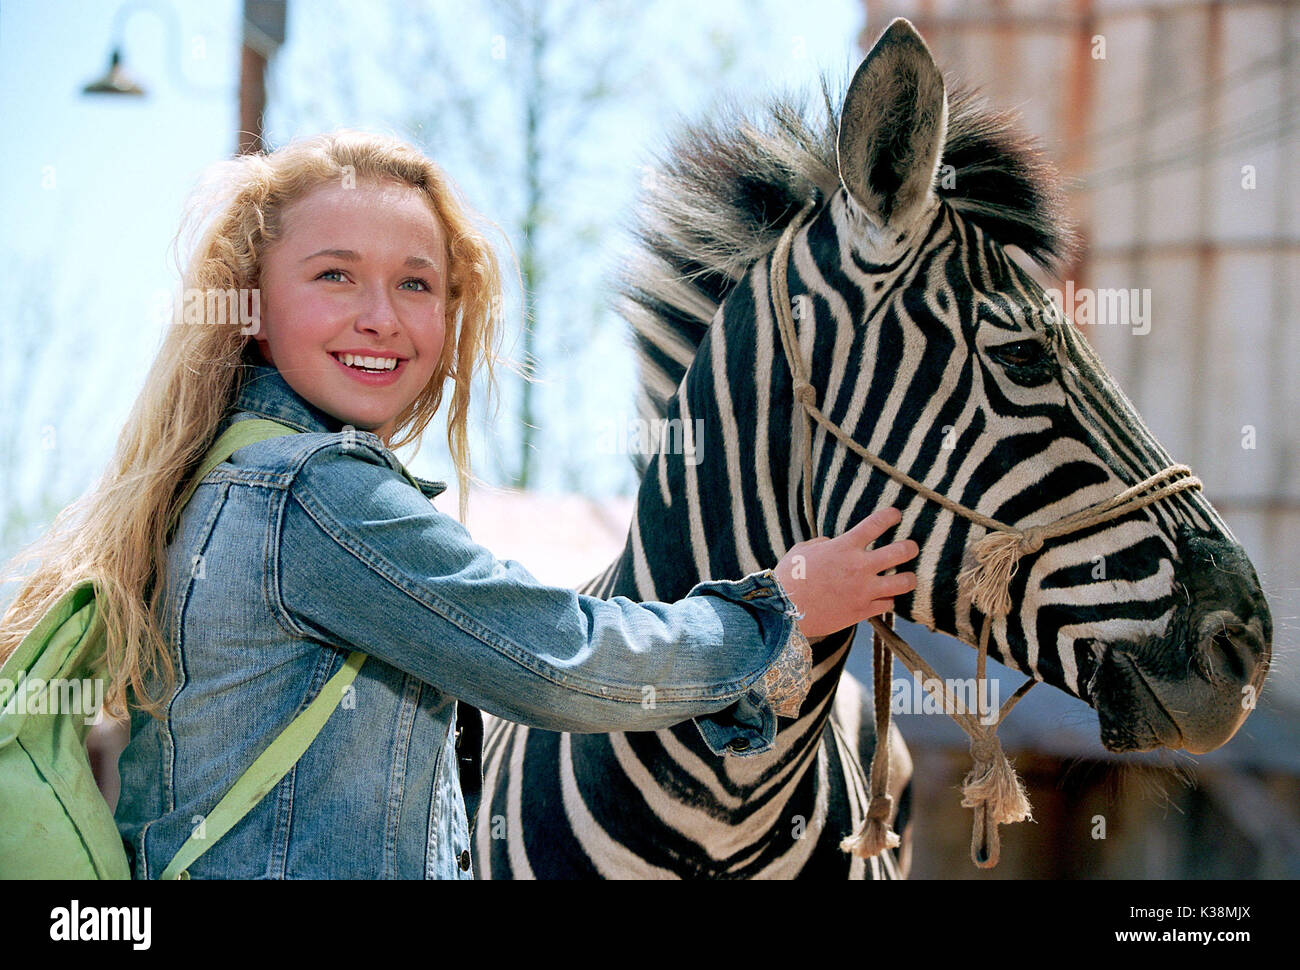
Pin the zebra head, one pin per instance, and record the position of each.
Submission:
(936, 351)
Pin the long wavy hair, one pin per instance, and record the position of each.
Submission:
(115, 533)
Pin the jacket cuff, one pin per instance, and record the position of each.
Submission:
(748, 727)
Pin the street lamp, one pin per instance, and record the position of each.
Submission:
(115, 80)
(263, 33)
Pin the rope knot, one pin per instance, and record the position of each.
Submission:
(805, 393)
(997, 794)
(874, 836)
(985, 748)
(993, 783)
(880, 808)
(1031, 540)
(988, 582)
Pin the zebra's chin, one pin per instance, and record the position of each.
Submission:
(1133, 717)
(1144, 703)
(1191, 684)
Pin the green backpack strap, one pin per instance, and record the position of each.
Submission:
(238, 435)
(265, 773)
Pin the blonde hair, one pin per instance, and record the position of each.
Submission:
(115, 533)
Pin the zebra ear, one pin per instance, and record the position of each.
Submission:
(892, 128)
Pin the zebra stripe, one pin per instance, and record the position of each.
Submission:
(896, 332)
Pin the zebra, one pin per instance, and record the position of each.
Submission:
(937, 350)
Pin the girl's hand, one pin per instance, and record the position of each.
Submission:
(837, 582)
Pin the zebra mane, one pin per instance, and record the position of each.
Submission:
(721, 193)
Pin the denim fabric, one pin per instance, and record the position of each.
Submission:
(302, 548)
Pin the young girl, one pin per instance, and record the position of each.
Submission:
(377, 296)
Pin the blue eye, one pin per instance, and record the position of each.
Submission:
(339, 272)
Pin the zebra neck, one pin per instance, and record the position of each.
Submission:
(703, 513)
(718, 499)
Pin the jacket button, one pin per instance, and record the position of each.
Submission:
(738, 744)
(464, 860)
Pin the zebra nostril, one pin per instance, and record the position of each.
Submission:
(1222, 644)
(1228, 645)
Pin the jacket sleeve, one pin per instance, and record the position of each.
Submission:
(365, 562)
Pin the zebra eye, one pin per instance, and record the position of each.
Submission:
(1026, 362)
(1022, 353)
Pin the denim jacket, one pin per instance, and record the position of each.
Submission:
(302, 548)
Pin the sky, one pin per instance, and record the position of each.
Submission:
(92, 190)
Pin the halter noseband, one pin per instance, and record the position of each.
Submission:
(991, 787)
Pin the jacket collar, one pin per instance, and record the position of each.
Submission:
(264, 392)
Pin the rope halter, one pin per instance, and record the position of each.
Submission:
(991, 787)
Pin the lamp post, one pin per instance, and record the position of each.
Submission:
(115, 79)
(263, 33)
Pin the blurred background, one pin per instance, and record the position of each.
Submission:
(1174, 119)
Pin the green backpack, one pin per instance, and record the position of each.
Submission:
(54, 822)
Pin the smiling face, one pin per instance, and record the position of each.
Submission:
(358, 270)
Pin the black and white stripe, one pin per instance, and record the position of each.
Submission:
(900, 320)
